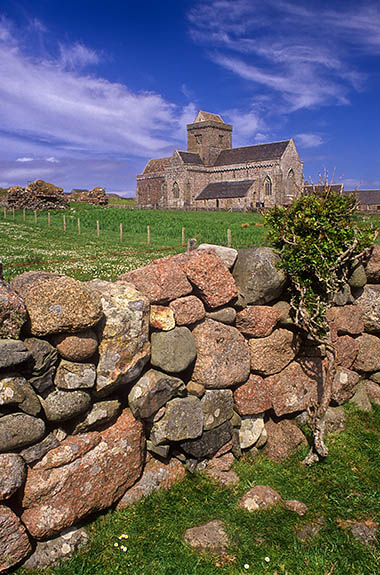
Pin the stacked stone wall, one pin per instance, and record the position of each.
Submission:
(111, 389)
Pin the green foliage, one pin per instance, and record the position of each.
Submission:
(317, 237)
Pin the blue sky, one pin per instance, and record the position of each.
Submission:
(90, 90)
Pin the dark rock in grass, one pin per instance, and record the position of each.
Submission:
(49, 553)
(310, 530)
(209, 536)
(19, 430)
(12, 352)
(365, 532)
(14, 540)
(209, 443)
(12, 474)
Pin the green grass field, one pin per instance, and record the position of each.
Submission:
(343, 488)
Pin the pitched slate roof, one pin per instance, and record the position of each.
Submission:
(227, 189)
(156, 165)
(191, 158)
(368, 197)
(259, 153)
(309, 189)
(207, 117)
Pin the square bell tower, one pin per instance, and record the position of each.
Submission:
(208, 136)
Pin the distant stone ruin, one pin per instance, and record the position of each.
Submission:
(38, 195)
(97, 196)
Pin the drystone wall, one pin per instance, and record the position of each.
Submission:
(109, 390)
(38, 195)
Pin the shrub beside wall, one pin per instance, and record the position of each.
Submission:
(109, 390)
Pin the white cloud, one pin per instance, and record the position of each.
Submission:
(77, 56)
(25, 159)
(308, 140)
(52, 160)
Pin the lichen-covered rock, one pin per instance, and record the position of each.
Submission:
(11, 389)
(187, 310)
(37, 451)
(51, 552)
(123, 334)
(12, 352)
(271, 354)
(222, 355)
(100, 414)
(250, 430)
(160, 281)
(209, 443)
(161, 317)
(86, 473)
(12, 474)
(296, 387)
(183, 419)
(77, 346)
(260, 497)
(368, 358)
(14, 541)
(346, 319)
(283, 439)
(62, 405)
(217, 405)
(357, 278)
(12, 313)
(369, 302)
(372, 267)
(344, 384)
(257, 321)
(257, 276)
(225, 315)
(153, 390)
(173, 351)
(227, 255)
(156, 475)
(57, 303)
(43, 364)
(208, 274)
(19, 430)
(346, 348)
(253, 397)
(31, 403)
(73, 375)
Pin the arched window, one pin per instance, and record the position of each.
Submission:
(175, 191)
(291, 183)
(268, 186)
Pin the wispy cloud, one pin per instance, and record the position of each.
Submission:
(308, 140)
(308, 55)
(24, 159)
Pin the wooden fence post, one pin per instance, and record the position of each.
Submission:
(78, 226)
(121, 233)
(24, 214)
(64, 222)
(97, 229)
(183, 237)
(35, 216)
(229, 238)
(13, 213)
(49, 219)
(148, 235)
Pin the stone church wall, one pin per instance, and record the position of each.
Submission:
(111, 389)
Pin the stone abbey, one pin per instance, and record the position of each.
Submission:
(212, 174)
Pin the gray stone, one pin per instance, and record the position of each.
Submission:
(209, 443)
(343, 296)
(173, 351)
(160, 450)
(235, 420)
(19, 430)
(225, 315)
(49, 553)
(36, 452)
(335, 420)
(123, 334)
(152, 391)
(183, 419)
(375, 377)
(30, 404)
(194, 388)
(61, 405)
(360, 398)
(72, 375)
(12, 352)
(365, 532)
(310, 530)
(44, 360)
(227, 255)
(100, 413)
(369, 301)
(12, 474)
(209, 536)
(217, 405)
(14, 540)
(257, 277)
(250, 430)
(357, 278)
(11, 389)
(285, 309)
